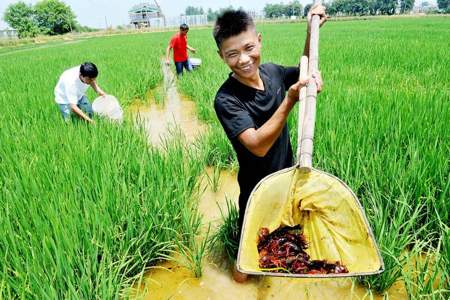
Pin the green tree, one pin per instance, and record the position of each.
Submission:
(406, 5)
(387, 7)
(350, 7)
(330, 8)
(294, 9)
(54, 17)
(211, 15)
(274, 10)
(373, 7)
(191, 11)
(20, 17)
(444, 5)
(364, 7)
(306, 9)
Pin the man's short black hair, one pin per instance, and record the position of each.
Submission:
(88, 69)
(184, 27)
(231, 23)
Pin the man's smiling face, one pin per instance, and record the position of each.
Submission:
(242, 53)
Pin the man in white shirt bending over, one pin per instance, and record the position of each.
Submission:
(71, 88)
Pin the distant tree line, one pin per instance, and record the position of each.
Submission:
(369, 7)
(350, 7)
(192, 11)
(444, 5)
(341, 7)
(279, 10)
(49, 17)
(211, 14)
(333, 8)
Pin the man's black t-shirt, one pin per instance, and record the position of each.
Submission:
(240, 107)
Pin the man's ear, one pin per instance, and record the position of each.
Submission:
(259, 37)
(220, 54)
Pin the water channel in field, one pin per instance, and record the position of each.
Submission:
(175, 113)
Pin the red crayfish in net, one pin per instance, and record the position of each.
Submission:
(284, 251)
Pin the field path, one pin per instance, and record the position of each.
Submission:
(39, 47)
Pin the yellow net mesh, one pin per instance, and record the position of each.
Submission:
(332, 219)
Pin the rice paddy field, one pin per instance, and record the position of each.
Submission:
(84, 210)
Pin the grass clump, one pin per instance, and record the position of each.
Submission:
(225, 240)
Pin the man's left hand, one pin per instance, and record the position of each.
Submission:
(317, 10)
(318, 80)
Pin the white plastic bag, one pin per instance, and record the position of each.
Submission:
(108, 106)
(195, 62)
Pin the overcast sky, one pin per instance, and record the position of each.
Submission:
(93, 12)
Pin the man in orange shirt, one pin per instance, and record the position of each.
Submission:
(180, 46)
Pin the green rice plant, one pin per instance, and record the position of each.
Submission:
(225, 241)
(105, 231)
(214, 178)
(190, 252)
(190, 245)
(159, 95)
(217, 150)
(395, 229)
(425, 277)
(445, 233)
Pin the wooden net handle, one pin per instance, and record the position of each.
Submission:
(307, 137)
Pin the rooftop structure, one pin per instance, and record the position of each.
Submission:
(146, 14)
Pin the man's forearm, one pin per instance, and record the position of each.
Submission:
(259, 141)
(168, 53)
(314, 10)
(306, 49)
(270, 131)
(80, 113)
(96, 88)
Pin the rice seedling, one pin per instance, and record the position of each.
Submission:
(425, 276)
(191, 252)
(225, 240)
(214, 178)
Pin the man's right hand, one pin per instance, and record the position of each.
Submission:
(294, 90)
(168, 62)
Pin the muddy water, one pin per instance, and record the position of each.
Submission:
(176, 114)
(170, 280)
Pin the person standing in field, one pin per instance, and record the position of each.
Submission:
(252, 104)
(180, 46)
(71, 88)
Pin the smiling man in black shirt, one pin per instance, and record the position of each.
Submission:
(252, 104)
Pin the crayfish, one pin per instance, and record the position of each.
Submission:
(284, 251)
